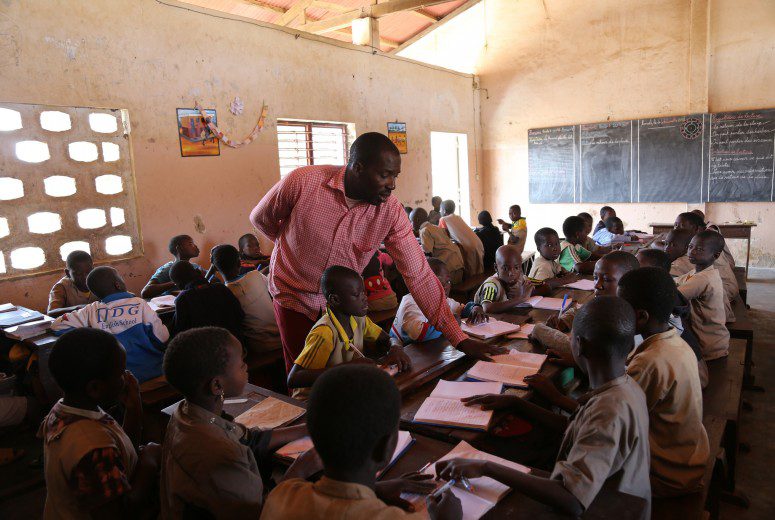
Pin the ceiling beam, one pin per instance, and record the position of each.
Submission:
(422, 13)
(374, 11)
(294, 11)
(460, 10)
(264, 5)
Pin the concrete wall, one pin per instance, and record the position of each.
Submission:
(151, 58)
(552, 62)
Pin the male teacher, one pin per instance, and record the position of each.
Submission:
(319, 216)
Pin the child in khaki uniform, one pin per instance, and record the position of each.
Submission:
(546, 270)
(675, 245)
(340, 335)
(91, 466)
(70, 292)
(704, 289)
(605, 442)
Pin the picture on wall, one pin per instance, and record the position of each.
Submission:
(397, 134)
(196, 138)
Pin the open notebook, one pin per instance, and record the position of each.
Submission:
(489, 329)
(293, 450)
(524, 331)
(162, 302)
(582, 285)
(485, 493)
(269, 414)
(509, 369)
(444, 408)
(545, 302)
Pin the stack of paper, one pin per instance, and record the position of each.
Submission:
(489, 329)
(524, 331)
(29, 330)
(161, 303)
(510, 369)
(14, 315)
(582, 285)
(7, 307)
(270, 413)
(545, 302)
(485, 492)
(521, 359)
(444, 408)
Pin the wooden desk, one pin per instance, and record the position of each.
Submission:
(254, 395)
(736, 230)
(515, 505)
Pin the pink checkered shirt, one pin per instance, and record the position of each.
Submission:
(307, 217)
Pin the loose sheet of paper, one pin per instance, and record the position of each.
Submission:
(489, 329)
(507, 374)
(521, 359)
(524, 331)
(461, 389)
(582, 285)
(270, 413)
(452, 412)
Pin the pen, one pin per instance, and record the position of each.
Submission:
(444, 488)
(422, 469)
(466, 484)
(562, 307)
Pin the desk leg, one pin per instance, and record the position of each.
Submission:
(747, 254)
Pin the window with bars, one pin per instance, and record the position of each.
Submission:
(66, 184)
(304, 143)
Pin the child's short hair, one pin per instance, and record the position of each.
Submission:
(586, 216)
(345, 431)
(243, 240)
(448, 206)
(516, 206)
(626, 261)
(76, 257)
(543, 234)
(651, 289)
(657, 258)
(608, 323)
(436, 265)
(102, 281)
(195, 356)
(606, 209)
(175, 243)
(333, 277)
(713, 238)
(610, 222)
(225, 257)
(484, 218)
(572, 226)
(693, 218)
(183, 273)
(435, 198)
(83, 355)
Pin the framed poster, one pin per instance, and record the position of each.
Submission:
(196, 138)
(397, 134)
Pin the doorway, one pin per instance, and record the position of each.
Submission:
(449, 170)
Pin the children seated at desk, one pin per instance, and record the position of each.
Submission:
(259, 327)
(490, 236)
(605, 213)
(704, 289)
(379, 293)
(508, 287)
(612, 233)
(251, 257)
(606, 440)
(70, 292)
(129, 318)
(91, 464)
(574, 256)
(182, 247)
(675, 245)
(410, 324)
(436, 242)
(209, 462)
(517, 228)
(546, 269)
(202, 304)
(355, 437)
(344, 334)
(460, 232)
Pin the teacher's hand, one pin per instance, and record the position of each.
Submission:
(479, 349)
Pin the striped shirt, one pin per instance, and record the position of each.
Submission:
(491, 290)
(572, 254)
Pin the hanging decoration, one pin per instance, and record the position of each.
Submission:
(228, 141)
(237, 106)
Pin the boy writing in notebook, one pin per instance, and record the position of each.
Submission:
(344, 334)
(129, 318)
(355, 438)
(251, 257)
(546, 269)
(573, 255)
(410, 324)
(606, 440)
(209, 462)
(675, 245)
(508, 287)
(182, 247)
(91, 463)
(704, 289)
(70, 292)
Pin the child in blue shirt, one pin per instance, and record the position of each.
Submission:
(182, 247)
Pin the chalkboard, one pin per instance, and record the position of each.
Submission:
(671, 159)
(552, 164)
(721, 157)
(741, 156)
(606, 162)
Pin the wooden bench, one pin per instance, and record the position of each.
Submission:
(742, 328)
(742, 284)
